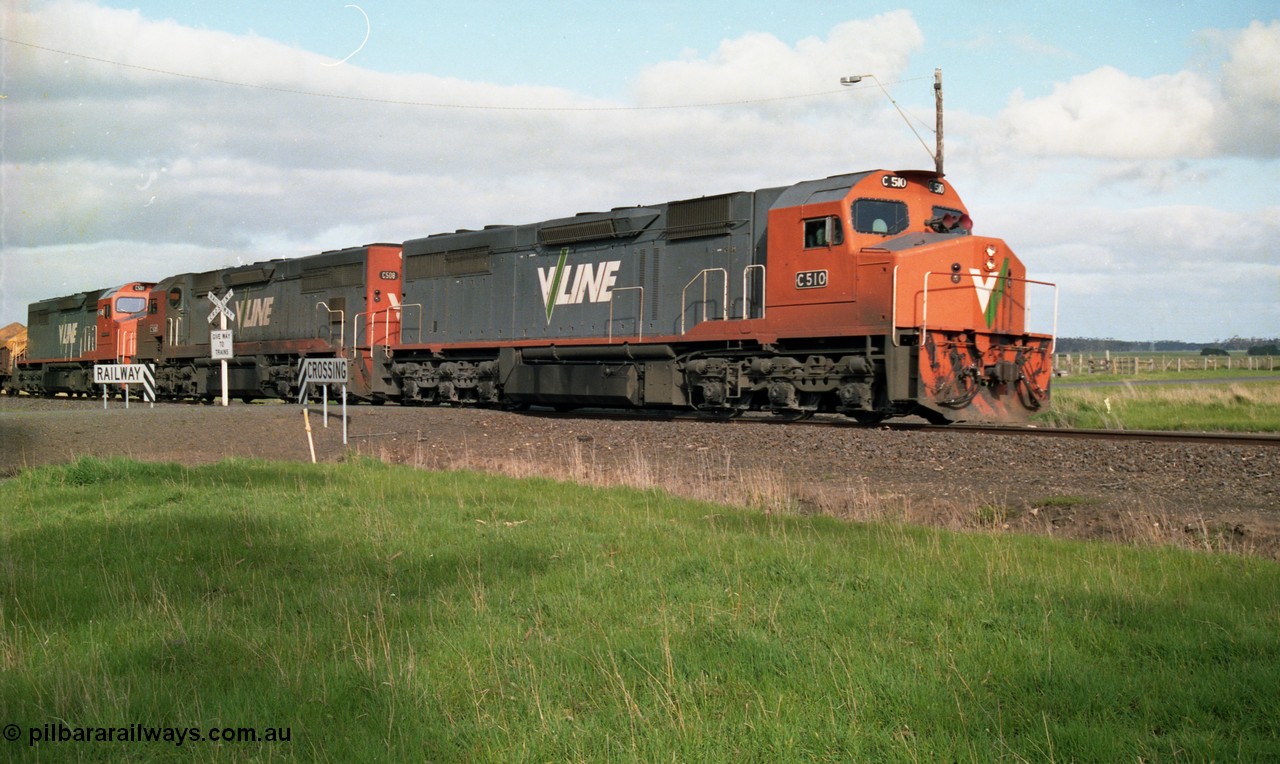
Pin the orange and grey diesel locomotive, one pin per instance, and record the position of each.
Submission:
(66, 336)
(863, 294)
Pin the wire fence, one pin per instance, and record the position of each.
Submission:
(1107, 363)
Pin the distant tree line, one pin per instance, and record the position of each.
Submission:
(1247, 345)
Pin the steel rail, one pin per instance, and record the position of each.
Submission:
(1155, 436)
(836, 420)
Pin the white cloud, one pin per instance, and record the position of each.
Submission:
(760, 66)
(1250, 120)
(1110, 114)
(1107, 113)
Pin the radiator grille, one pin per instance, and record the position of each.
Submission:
(459, 262)
(699, 217)
(574, 232)
(319, 279)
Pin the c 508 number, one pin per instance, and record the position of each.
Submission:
(811, 279)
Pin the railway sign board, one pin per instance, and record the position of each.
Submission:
(221, 344)
(119, 373)
(324, 372)
(330, 371)
(126, 374)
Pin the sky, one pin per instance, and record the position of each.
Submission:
(1128, 152)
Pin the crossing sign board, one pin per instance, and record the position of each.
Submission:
(328, 371)
(325, 372)
(220, 310)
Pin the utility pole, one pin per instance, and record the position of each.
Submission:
(937, 98)
(854, 79)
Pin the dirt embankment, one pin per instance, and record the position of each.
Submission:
(1200, 495)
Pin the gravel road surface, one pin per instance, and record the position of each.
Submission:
(1206, 496)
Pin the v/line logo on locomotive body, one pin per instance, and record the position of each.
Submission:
(592, 282)
(254, 312)
(68, 333)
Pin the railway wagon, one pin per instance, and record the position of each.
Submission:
(864, 294)
(66, 336)
(283, 310)
(13, 348)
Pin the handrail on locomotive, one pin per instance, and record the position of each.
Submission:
(342, 326)
(724, 303)
(639, 313)
(386, 325)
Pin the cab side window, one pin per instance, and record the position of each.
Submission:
(823, 232)
(879, 216)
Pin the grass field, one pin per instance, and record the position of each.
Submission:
(1226, 407)
(382, 613)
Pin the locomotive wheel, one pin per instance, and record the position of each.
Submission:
(792, 415)
(724, 413)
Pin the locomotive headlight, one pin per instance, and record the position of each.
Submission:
(991, 258)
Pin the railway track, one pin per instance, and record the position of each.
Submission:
(1153, 436)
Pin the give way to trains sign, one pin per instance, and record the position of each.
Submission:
(222, 344)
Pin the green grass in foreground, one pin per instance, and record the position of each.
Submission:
(1228, 407)
(381, 613)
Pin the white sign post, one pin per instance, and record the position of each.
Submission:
(325, 371)
(221, 313)
(126, 374)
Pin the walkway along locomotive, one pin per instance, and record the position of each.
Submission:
(864, 294)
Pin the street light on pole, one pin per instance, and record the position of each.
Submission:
(854, 79)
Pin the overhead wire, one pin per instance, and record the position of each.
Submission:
(434, 104)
